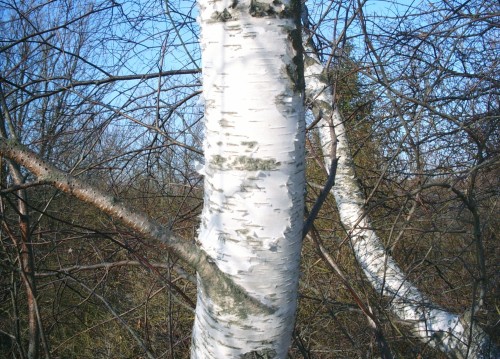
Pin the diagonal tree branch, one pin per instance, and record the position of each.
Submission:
(188, 251)
(457, 336)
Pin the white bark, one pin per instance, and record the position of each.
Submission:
(254, 177)
(452, 334)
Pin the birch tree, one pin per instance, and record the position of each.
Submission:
(103, 104)
(254, 181)
(254, 175)
(455, 335)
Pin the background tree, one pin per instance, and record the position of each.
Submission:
(57, 80)
(348, 192)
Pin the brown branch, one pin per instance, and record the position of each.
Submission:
(374, 323)
(73, 84)
(22, 186)
(142, 263)
(214, 280)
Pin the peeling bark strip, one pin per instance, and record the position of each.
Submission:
(457, 336)
(254, 175)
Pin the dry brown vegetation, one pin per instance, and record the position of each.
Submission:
(103, 291)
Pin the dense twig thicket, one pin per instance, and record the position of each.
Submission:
(108, 93)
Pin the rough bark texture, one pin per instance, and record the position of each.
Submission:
(455, 335)
(254, 176)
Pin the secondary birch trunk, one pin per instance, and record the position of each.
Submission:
(457, 336)
(254, 176)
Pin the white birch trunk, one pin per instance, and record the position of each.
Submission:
(254, 177)
(452, 334)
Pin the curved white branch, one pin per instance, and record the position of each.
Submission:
(454, 335)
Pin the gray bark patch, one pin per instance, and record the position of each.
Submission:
(260, 354)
